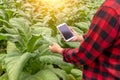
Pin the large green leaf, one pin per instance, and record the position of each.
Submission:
(49, 40)
(20, 23)
(41, 44)
(31, 43)
(83, 26)
(76, 73)
(53, 60)
(44, 31)
(61, 73)
(11, 30)
(11, 48)
(79, 31)
(45, 75)
(14, 38)
(15, 61)
(23, 27)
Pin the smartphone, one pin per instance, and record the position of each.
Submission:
(65, 32)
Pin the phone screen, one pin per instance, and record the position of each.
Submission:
(66, 32)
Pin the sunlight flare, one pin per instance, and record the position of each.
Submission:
(53, 1)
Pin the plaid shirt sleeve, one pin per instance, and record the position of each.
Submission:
(101, 34)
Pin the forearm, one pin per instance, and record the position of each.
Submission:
(60, 51)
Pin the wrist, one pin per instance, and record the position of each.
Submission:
(60, 50)
(80, 38)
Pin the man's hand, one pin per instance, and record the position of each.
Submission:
(77, 37)
(56, 48)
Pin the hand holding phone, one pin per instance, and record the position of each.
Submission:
(65, 32)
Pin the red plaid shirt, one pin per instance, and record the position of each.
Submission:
(100, 50)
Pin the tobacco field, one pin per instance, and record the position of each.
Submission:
(28, 27)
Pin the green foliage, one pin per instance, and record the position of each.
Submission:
(77, 73)
(60, 73)
(4, 77)
(46, 75)
(28, 27)
(83, 26)
(24, 45)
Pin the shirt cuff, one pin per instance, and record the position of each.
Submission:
(64, 54)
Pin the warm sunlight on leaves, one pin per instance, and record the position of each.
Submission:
(53, 1)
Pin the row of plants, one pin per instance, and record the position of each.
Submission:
(28, 27)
